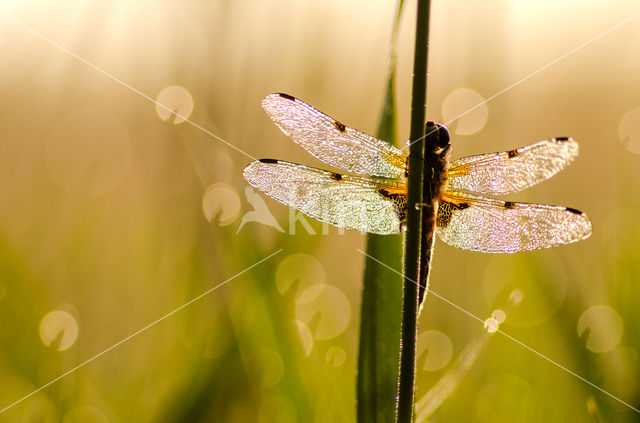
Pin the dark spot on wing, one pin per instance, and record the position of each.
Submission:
(339, 126)
(574, 211)
(399, 203)
(562, 139)
(512, 153)
(446, 210)
(509, 205)
(287, 96)
(400, 206)
(335, 176)
(271, 161)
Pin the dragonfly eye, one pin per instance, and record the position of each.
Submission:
(443, 136)
(437, 136)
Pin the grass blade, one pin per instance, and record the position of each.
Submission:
(381, 298)
(406, 385)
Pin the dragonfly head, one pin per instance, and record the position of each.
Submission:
(437, 139)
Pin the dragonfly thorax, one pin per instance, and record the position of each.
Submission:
(436, 161)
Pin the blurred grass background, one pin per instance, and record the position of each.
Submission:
(102, 229)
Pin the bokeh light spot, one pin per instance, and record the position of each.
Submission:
(221, 200)
(499, 315)
(491, 325)
(298, 271)
(335, 356)
(463, 101)
(629, 130)
(59, 330)
(265, 367)
(177, 102)
(306, 338)
(325, 310)
(88, 151)
(434, 349)
(85, 414)
(515, 297)
(603, 326)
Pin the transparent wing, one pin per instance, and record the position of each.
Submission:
(476, 223)
(512, 171)
(331, 141)
(359, 203)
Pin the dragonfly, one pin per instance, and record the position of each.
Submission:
(369, 193)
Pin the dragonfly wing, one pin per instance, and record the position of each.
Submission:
(512, 171)
(331, 141)
(476, 223)
(351, 202)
